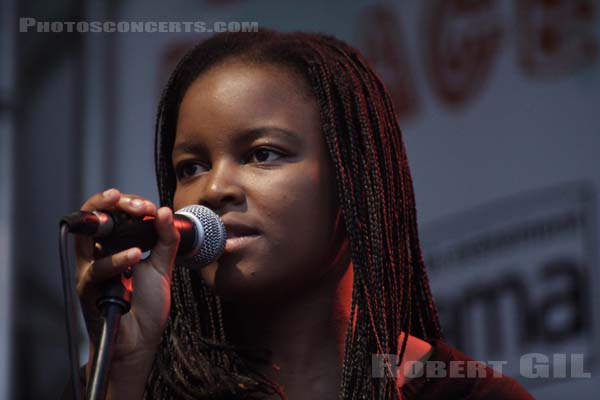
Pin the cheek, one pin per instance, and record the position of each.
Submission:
(186, 195)
(179, 200)
(300, 207)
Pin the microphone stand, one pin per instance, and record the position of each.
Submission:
(115, 301)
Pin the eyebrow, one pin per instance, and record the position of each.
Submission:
(241, 137)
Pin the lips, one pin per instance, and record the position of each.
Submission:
(239, 236)
(237, 230)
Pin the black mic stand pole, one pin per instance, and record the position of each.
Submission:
(114, 302)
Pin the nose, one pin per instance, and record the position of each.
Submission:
(221, 186)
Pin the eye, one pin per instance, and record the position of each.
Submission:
(189, 169)
(264, 154)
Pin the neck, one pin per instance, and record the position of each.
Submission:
(305, 334)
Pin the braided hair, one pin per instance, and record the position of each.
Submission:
(390, 293)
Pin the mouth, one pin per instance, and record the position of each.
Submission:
(238, 243)
(239, 236)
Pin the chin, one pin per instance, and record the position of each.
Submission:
(234, 280)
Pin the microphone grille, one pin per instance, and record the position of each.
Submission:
(213, 236)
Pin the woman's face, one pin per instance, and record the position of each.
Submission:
(249, 145)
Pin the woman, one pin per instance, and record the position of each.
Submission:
(293, 141)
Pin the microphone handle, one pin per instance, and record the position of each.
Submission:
(136, 232)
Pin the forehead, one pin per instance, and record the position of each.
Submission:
(236, 95)
(240, 74)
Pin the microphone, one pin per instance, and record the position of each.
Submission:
(202, 233)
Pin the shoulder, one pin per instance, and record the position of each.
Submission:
(486, 383)
(449, 373)
(498, 388)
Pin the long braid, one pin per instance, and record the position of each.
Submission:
(390, 291)
(373, 205)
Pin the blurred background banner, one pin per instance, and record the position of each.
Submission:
(517, 277)
(498, 102)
